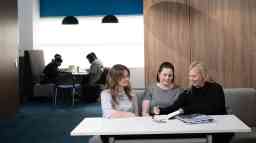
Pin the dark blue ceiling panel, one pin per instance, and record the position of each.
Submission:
(50, 8)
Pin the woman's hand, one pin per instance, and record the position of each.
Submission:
(121, 114)
(145, 107)
(130, 114)
(145, 114)
(156, 110)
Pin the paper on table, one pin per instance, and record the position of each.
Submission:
(160, 118)
(164, 118)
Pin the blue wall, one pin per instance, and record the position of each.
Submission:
(90, 7)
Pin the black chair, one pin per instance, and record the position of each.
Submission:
(66, 82)
(103, 77)
(91, 93)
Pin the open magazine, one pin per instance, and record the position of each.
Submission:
(190, 119)
(195, 118)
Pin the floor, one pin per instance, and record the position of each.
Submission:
(42, 122)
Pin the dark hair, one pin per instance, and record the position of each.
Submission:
(91, 57)
(167, 65)
(57, 58)
(115, 74)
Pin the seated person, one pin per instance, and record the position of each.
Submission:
(96, 68)
(92, 85)
(164, 92)
(51, 71)
(204, 97)
(116, 99)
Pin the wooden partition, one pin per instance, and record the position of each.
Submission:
(166, 37)
(9, 99)
(221, 33)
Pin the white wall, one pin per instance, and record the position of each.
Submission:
(28, 16)
(121, 43)
(137, 78)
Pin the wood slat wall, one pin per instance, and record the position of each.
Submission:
(219, 33)
(166, 37)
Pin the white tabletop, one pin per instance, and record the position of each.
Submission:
(145, 125)
(80, 73)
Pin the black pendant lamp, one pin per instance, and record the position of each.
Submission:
(110, 19)
(70, 20)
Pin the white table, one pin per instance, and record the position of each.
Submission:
(146, 126)
(80, 73)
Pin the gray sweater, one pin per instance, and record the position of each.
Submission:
(95, 72)
(161, 97)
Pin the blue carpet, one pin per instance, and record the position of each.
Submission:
(45, 123)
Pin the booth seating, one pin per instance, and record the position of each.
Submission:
(239, 101)
(33, 68)
(242, 103)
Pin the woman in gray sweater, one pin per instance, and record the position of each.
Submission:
(164, 92)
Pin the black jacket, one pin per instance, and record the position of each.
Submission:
(208, 99)
(51, 72)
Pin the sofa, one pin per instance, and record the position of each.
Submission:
(239, 101)
(242, 103)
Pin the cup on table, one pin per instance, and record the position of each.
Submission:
(154, 110)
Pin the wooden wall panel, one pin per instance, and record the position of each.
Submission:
(251, 38)
(8, 48)
(220, 33)
(207, 20)
(166, 37)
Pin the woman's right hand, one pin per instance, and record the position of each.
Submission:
(156, 110)
(130, 114)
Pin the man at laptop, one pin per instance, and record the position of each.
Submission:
(51, 71)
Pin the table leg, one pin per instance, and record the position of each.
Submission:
(105, 139)
(209, 138)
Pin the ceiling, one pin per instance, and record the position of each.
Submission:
(50, 8)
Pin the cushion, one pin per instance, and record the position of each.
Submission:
(242, 103)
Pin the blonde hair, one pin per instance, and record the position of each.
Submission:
(202, 68)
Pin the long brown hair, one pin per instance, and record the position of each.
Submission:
(115, 74)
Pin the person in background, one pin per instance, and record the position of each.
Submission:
(92, 84)
(204, 97)
(164, 92)
(116, 99)
(51, 71)
(96, 68)
(57, 56)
